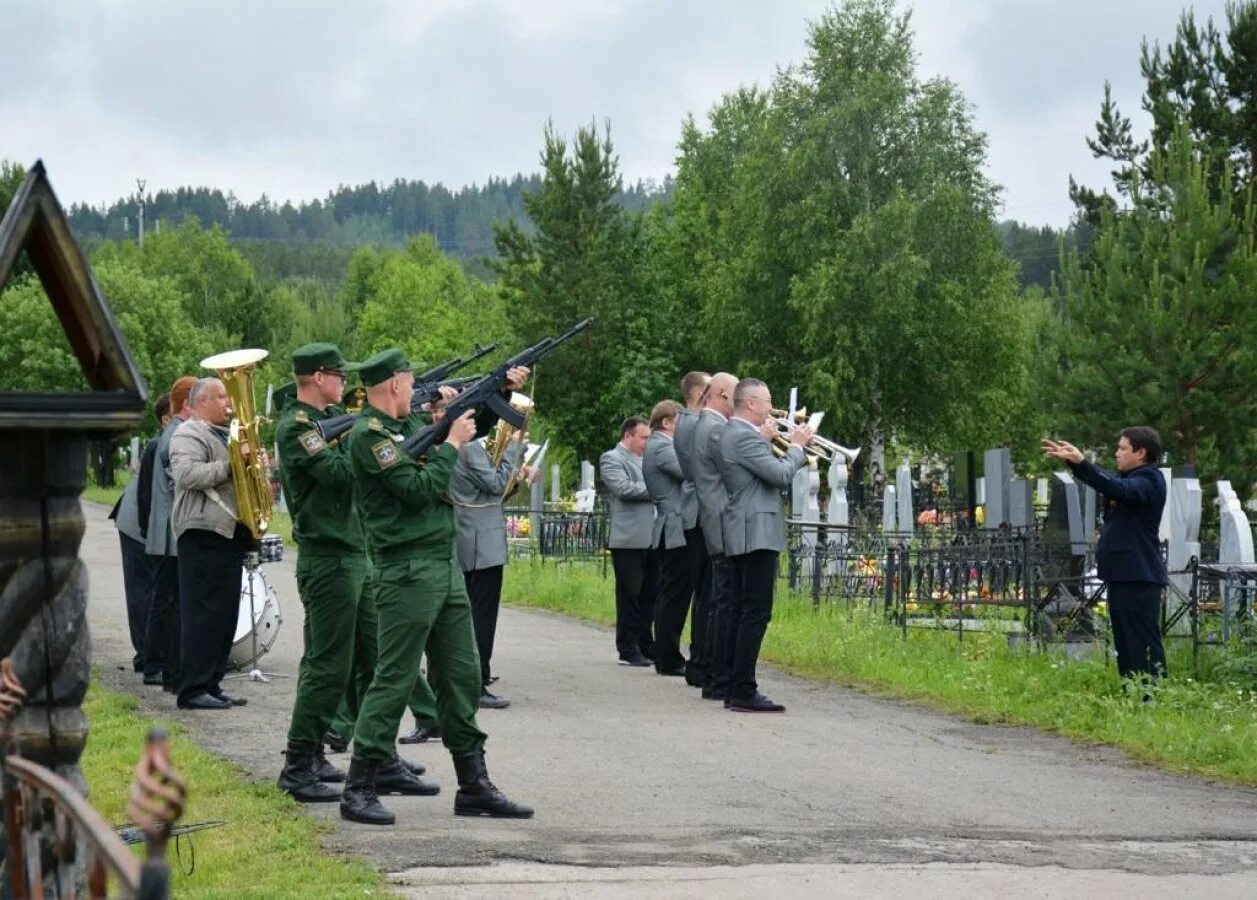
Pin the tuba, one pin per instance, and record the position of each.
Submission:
(253, 488)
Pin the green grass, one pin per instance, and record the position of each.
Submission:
(268, 848)
(1204, 728)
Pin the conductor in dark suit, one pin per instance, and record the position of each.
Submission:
(632, 526)
(754, 530)
(1128, 556)
(665, 482)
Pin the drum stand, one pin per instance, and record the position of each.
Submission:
(251, 564)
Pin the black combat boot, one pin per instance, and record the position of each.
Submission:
(324, 770)
(298, 779)
(360, 803)
(335, 741)
(415, 768)
(477, 795)
(393, 777)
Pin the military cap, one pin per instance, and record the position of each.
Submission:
(319, 358)
(383, 366)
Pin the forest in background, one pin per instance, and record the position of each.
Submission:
(833, 229)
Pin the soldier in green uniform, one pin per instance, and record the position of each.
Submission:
(332, 571)
(420, 597)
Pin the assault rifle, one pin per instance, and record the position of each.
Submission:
(487, 392)
(427, 390)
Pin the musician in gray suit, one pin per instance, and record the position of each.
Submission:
(693, 388)
(665, 482)
(162, 638)
(477, 491)
(754, 529)
(632, 528)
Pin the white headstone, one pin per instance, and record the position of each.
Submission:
(586, 475)
(888, 509)
(1163, 530)
(1041, 491)
(837, 511)
(979, 491)
(1184, 502)
(554, 483)
(903, 497)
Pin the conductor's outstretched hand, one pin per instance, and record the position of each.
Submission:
(1062, 450)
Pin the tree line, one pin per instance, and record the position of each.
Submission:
(833, 230)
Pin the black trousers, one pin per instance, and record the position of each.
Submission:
(636, 574)
(209, 597)
(162, 637)
(137, 583)
(1135, 615)
(484, 590)
(676, 580)
(721, 632)
(700, 607)
(755, 575)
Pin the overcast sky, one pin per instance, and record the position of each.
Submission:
(293, 98)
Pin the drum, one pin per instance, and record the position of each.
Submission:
(258, 615)
(272, 549)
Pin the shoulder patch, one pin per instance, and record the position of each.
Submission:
(375, 424)
(302, 416)
(312, 441)
(386, 454)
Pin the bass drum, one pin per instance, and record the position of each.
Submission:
(261, 617)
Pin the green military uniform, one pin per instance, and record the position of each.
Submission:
(332, 566)
(420, 595)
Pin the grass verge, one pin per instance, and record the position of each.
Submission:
(268, 848)
(1204, 728)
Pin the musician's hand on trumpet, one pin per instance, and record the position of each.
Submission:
(768, 430)
(801, 435)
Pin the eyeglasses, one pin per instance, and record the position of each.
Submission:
(336, 373)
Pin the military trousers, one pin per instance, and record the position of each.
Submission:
(423, 702)
(331, 585)
(423, 607)
(366, 640)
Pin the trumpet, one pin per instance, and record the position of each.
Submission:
(818, 449)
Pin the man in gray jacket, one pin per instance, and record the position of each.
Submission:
(162, 635)
(478, 490)
(754, 530)
(665, 482)
(632, 527)
(212, 543)
(693, 389)
(712, 499)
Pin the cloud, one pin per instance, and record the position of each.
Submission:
(292, 98)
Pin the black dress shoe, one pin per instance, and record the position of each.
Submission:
(493, 701)
(204, 701)
(154, 679)
(420, 735)
(756, 704)
(711, 693)
(234, 701)
(678, 672)
(335, 741)
(636, 660)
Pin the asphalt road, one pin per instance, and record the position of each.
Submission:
(643, 789)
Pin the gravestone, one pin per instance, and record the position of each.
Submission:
(903, 497)
(1185, 503)
(997, 466)
(555, 485)
(1163, 529)
(1062, 529)
(964, 487)
(1020, 503)
(806, 507)
(888, 510)
(837, 513)
(587, 494)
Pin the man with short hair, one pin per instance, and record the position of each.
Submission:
(665, 482)
(212, 542)
(632, 526)
(137, 572)
(421, 598)
(163, 634)
(712, 499)
(1128, 556)
(754, 530)
(693, 389)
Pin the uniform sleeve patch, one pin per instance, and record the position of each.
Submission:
(312, 441)
(386, 454)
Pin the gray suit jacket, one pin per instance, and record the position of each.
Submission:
(709, 486)
(632, 512)
(126, 512)
(160, 540)
(476, 488)
(664, 481)
(683, 440)
(755, 479)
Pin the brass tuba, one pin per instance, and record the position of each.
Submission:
(253, 488)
